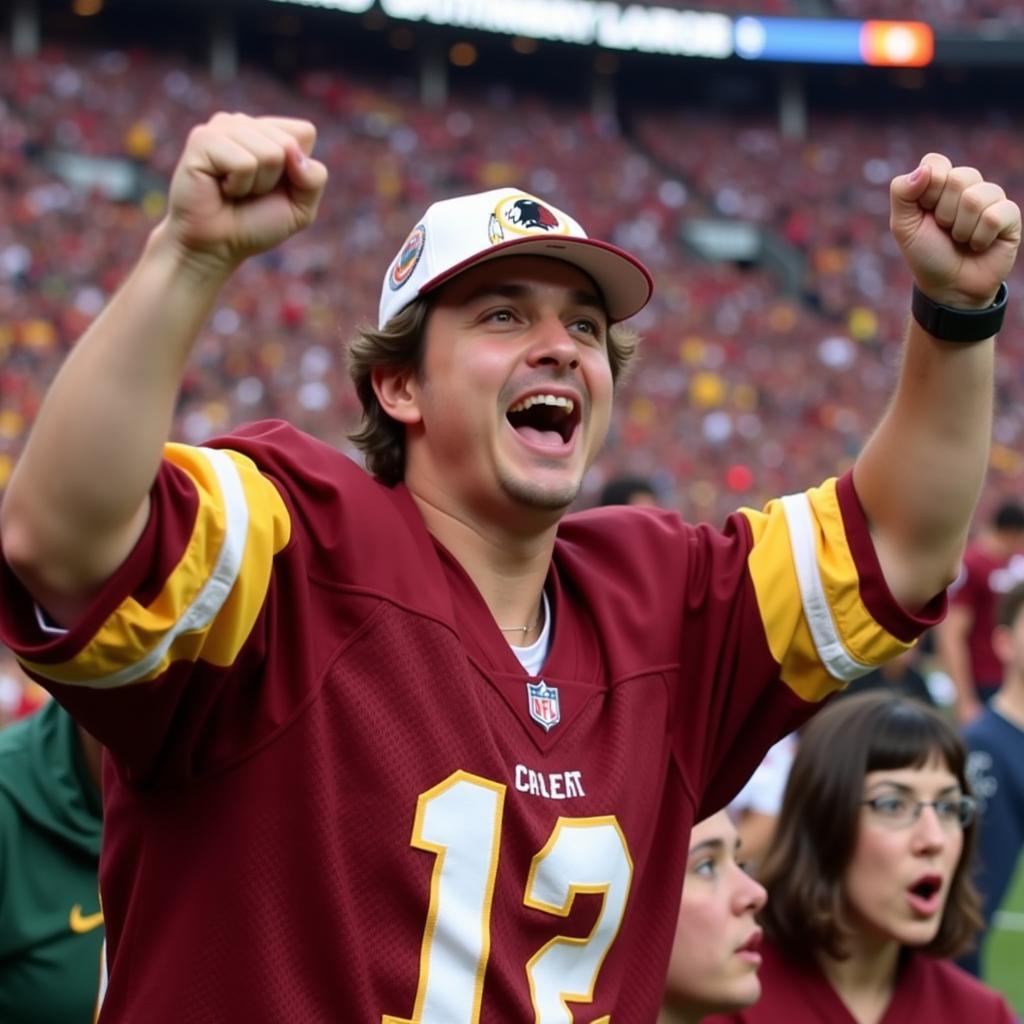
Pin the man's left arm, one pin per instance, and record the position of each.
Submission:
(920, 474)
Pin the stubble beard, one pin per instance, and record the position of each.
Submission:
(535, 496)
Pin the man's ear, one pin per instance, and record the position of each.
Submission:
(398, 393)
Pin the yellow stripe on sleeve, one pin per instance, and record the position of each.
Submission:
(808, 594)
(209, 603)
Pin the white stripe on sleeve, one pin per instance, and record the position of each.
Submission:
(833, 654)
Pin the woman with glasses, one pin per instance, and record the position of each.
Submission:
(868, 876)
(716, 955)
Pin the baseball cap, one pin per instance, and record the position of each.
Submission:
(456, 234)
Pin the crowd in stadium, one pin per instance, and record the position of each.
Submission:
(743, 391)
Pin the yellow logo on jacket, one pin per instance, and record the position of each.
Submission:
(81, 923)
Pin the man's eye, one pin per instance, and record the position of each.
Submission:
(587, 326)
(502, 316)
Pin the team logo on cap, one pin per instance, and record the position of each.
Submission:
(524, 215)
(407, 258)
(544, 706)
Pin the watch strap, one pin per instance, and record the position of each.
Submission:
(965, 325)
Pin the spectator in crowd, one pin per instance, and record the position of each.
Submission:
(395, 698)
(995, 766)
(628, 490)
(992, 564)
(899, 675)
(756, 807)
(51, 926)
(868, 877)
(714, 962)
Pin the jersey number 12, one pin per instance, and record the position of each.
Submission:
(459, 821)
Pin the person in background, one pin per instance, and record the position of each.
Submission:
(628, 490)
(755, 809)
(715, 955)
(995, 766)
(868, 877)
(899, 675)
(993, 562)
(51, 926)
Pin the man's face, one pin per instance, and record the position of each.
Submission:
(514, 396)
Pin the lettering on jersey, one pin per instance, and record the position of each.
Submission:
(544, 707)
(552, 785)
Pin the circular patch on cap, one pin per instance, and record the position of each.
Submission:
(524, 215)
(407, 258)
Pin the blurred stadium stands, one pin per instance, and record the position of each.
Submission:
(760, 373)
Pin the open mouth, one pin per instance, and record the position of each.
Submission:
(927, 887)
(925, 896)
(545, 419)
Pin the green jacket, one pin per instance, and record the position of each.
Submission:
(51, 929)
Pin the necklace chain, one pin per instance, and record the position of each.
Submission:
(522, 629)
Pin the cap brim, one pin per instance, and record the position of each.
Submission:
(626, 284)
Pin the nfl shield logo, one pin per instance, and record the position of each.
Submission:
(544, 709)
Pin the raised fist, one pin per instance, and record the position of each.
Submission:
(959, 233)
(243, 185)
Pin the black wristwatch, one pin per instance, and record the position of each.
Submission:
(951, 324)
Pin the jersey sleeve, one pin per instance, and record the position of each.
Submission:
(205, 605)
(747, 628)
(827, 613)
(179, 664)
(808, 611)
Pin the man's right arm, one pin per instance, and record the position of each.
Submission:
(78, 498)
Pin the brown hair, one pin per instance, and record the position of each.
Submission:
(817, 828)
(399, 346)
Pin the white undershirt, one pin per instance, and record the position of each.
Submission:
(532, 658)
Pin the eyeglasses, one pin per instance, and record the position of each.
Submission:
(898, 811)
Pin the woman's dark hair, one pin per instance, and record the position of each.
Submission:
(816, 832)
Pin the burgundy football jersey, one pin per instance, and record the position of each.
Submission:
(334, 794)
(928, 991)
